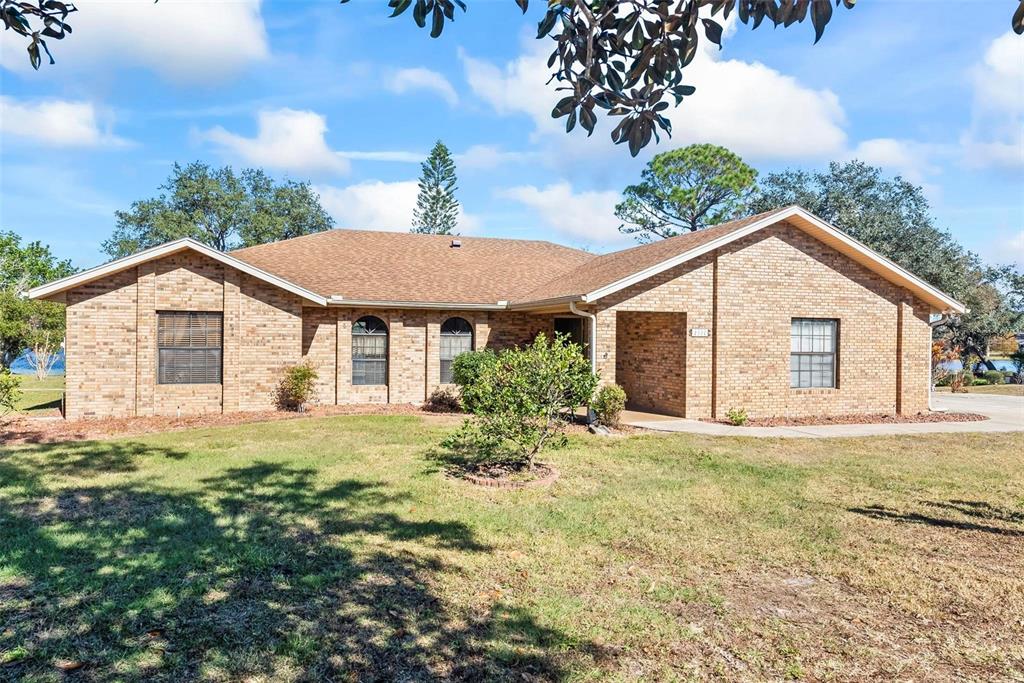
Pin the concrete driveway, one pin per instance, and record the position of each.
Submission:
(1005, 413)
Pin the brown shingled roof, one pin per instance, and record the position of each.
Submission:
(610, 268)
(392, 266)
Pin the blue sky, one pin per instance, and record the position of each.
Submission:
(352, 101)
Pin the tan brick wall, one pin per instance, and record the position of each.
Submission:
(688, 289)
(651, 360)
(320, 348)
(270, 340)
(111, 339)
(762, 282)
(100, 347)
(781, 273)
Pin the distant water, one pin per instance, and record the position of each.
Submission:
(1001, 364)
(21, 366)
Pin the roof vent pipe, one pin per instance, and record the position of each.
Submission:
(456, 244)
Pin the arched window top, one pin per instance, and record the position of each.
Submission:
(457, 327)
(369, 324)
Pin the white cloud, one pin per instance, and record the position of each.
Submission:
(915, 161)
(587, 216)
(406, 80)
(1014, 248)
(490, 156)
(183, 40)
(398, 156)
(996, 134)
(58, 123)
(746, 106)
(378, 205)
(286, 139)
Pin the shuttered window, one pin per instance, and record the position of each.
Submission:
(369, 351)
(812, 353)
(456, 338)
(189, 347)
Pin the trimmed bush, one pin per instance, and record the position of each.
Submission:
(736, 416)
(297, 387)
(608, 403)
(443, 400)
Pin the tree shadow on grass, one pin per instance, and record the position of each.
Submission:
(882, 512)
(258, 572)
(980, 509)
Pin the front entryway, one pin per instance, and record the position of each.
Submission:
(650, 360)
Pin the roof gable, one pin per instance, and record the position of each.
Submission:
(118, 265)
(613, 272)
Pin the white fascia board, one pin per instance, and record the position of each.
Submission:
(888, 267)
(165, 250)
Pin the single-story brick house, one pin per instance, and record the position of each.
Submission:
(779, 314)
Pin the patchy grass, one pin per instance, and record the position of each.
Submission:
(334, 548)
(998, 389)
(40, 397)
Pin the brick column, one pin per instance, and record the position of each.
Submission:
(343, 367)
(604, 353)
(231, 353)
(913, 358)
(432, 351)
(146, 342)
(702, 312)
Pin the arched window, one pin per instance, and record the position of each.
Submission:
(369, 351)
(456, 338)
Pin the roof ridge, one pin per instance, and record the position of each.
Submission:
(330, 231)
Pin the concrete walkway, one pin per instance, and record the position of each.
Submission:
(1005, 413)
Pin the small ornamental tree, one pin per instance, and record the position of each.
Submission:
(521, 402)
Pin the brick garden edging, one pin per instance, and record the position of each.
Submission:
(492, 482)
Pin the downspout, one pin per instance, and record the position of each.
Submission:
(593, 333)
(591, 418)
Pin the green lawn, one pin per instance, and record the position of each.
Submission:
(40, 397)
(335, 549)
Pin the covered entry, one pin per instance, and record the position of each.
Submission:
(650, 360)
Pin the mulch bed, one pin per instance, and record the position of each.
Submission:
(33, 430)
(540, 475)
(856, 419)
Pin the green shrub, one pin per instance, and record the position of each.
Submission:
(443, 400)
(993, 376)
(608, 403)
(467, 369)
(736, 416)
(979, 382)
(520, 402)
(1017, 358)
(10, 391)
(297, 386)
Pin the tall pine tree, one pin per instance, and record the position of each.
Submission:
(436, 210)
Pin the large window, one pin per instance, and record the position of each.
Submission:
(812, 353)
(369, 351)
(189, 347)
(456, 338)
